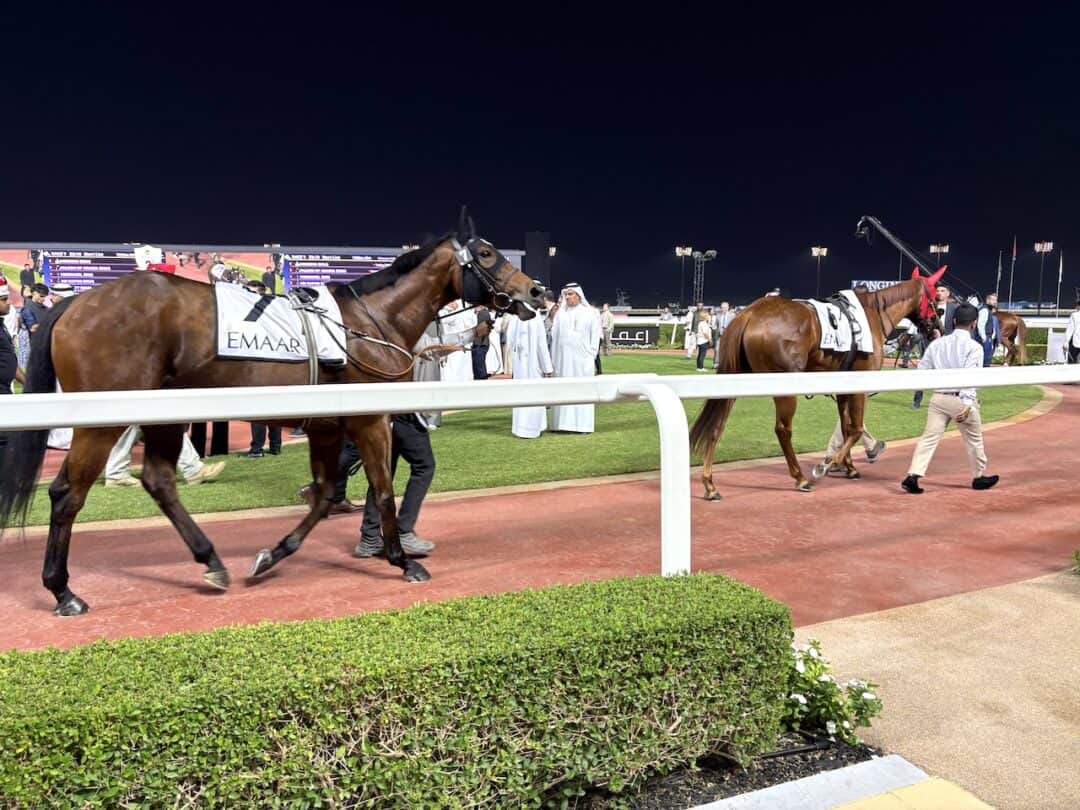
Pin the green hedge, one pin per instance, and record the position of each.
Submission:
(510, 700)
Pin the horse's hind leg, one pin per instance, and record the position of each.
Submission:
(785, 413)
(89, 450)
(851, 407)
(159, 479)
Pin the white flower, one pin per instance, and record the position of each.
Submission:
(830, 727)
(846, 724)
(825, 678)
(800, 667)
(813, 653)
(869, 696)
(798, 697)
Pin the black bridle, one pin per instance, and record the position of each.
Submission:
(479, 277)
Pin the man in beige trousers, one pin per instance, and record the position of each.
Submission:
(956, 350)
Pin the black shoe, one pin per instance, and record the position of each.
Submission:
(911, 484)
(275, 452)
(984, 481)
(252, 454)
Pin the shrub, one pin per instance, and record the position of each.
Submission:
(507, 700)
(816, 702)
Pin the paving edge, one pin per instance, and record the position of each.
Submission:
(1051, 398)
(828, 788)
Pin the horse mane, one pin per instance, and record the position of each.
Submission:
(403, 264)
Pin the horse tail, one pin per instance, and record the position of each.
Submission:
(731, 359)
(1021, 339)
(25, 449)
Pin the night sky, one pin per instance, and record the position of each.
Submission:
(754, 132)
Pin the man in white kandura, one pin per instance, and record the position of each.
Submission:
(575, 338)
(530, 359)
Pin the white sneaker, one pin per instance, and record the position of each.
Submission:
(129, 481)
(208, 473)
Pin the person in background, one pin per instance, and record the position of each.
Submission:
(1072, 336)
(481, 344)
(689, 327)
(575, 339)
(9, 365)
(722, 319)
(118, 467)
(704, 338)
(530, 360)
(665, 315)
(946, 310)
(27, 276)
(957, 350)
(607, 326)
(988, 328)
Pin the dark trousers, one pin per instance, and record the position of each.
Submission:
(219, 439)
(258, 437)
(1074, 354)
(702, 350)
(479, 361)
(412, 443)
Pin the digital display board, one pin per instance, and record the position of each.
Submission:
(83, 269)
(310, 270)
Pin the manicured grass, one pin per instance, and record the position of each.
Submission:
(474, 449)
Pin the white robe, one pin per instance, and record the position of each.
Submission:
(530, 359)
(457, 330)
(575, 338)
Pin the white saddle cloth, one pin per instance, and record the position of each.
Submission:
(263, 327)
(837, 337)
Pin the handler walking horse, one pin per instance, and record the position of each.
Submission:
(148, 331)
(777, 335)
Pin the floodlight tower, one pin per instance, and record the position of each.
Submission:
(681, 252)
(699, 273)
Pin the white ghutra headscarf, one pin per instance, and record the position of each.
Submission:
(572, 287)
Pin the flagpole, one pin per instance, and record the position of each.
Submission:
(1061, 270)
(997, 284)
(1011, 271)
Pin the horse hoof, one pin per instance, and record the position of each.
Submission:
(217, 579)
(818, 471)
(415, 572)
(854, 475)
(72, 606)
(713, 496)
(264, 561)
(804, 486)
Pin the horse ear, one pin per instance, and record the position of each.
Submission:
(461, 221)
(915, 272)
(936, 277)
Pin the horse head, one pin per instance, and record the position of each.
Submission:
(488, 277)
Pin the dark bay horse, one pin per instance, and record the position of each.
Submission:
(1013, 337)
(149, 331)
(776, 335)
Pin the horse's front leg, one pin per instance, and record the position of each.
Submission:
(324, 447)
(374, 439)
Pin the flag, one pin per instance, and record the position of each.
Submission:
(1061, 265)
(1014, 248)
(999, 268)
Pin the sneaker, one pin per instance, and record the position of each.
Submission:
(297, 432)
(984, 481)
(911, 484)
(207, 474)
(127, 481)
(875, 451)
(410, 544)
(252, 454)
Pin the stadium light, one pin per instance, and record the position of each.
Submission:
(1042, 248)
(682, 252)
(937, 251)
(408, 246)
(818, 253)
(700, 257)
(552, 250)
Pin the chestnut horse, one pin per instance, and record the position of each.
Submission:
(776, 335)
(149, 331)
(1013, 337)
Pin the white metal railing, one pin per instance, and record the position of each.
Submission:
(664, 393)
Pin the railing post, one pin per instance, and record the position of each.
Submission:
(674, 474)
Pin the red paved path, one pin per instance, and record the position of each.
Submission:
(847, 548)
